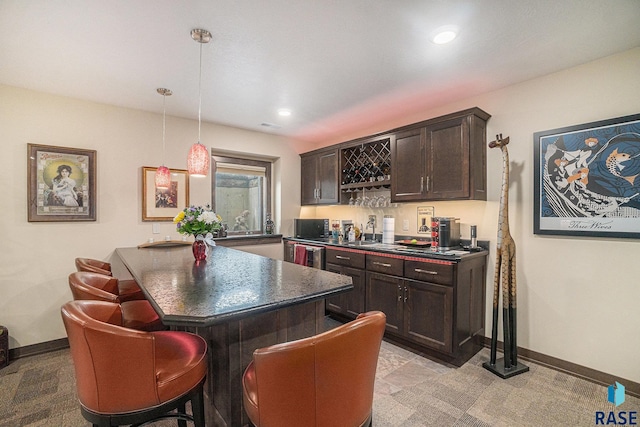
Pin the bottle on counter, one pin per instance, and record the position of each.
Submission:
(351, 235)
(269, 225)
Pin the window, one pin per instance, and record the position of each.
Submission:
(241, 193)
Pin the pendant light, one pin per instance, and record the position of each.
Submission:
(163, 175)
(198, 158)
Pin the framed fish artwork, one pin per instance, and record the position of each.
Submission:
(587, 179)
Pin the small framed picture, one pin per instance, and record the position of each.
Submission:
(587, 179)
(425, 213)
(61, 184)
(160, 204)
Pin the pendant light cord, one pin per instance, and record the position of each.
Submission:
(200, 94)
(164, 118)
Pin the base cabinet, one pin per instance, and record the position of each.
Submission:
(433, 306)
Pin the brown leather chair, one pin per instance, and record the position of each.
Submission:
(137, 314)
(127, 289)
(155, 373)
(322, 381)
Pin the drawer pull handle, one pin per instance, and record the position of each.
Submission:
(405, 294)
(343, 257)
(382, 264)
(419, 270)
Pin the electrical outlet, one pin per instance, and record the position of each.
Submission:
(405, 225)
(155, 228)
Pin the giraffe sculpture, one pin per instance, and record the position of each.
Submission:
(505, 276)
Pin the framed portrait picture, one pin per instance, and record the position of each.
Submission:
(587, 179)
(160, 204)
(61, 184)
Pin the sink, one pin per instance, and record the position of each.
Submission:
(361, 243)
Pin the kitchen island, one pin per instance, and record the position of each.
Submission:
(237, 301)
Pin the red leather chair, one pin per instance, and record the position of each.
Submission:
(321, 381)
(156, 372)
(128, 290)
(137, 314)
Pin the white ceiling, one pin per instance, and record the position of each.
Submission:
(323, 59)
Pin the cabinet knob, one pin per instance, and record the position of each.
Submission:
(399, 293)
(405, 294)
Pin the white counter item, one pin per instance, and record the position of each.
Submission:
(388, 229)
(352, 235)
(474, 236)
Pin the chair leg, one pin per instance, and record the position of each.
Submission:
(197, 407)
(182, 409)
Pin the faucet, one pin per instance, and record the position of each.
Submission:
(372, 225)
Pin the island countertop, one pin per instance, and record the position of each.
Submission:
(230, 284)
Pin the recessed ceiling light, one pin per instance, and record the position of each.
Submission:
(284, 112)
(444, 34)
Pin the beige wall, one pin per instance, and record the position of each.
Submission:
(578, 298)
(37, 257)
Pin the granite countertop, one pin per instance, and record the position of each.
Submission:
(230, 284)
(456, 254)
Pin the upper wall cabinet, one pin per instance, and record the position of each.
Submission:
(319, 177)
(441, 159)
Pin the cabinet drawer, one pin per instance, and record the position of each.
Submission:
(429, 272)
(386, 265)
(346, 258)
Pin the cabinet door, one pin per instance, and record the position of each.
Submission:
(408, 167)
(327, 177)
(336, 304)
(384, 293)
(350, 303)
(308, 181)
(428, 314)
(448, 159)
(355, 299)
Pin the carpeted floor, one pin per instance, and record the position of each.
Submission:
(410, 391)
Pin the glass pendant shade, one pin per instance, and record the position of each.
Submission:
(198, 157)
(198, 160)
(163, 177)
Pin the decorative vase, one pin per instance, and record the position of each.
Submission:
(199, 250)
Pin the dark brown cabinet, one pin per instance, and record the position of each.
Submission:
(419, 312)
(319, 177)
(432, 305)
(348, 263)
(441, 159)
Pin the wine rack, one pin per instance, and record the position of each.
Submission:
(366, 166)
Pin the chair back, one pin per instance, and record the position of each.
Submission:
(108, 384)
(93, 286)
(326, 380)
(93, 265)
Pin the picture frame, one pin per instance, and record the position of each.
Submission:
(425, 213)
(61, 184)
(160, 204)
(587, 179)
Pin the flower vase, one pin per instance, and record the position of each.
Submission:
(199, 250)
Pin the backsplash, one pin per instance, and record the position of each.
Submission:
(480, 213)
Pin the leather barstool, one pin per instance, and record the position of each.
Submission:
(322, 381)
(136, 314)
(155, 373)
(128, 290)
